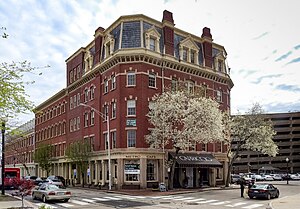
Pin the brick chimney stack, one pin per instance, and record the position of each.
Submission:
(207, 47)
(168, 32)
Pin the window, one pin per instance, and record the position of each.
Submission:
(220, 63)
(174, 84)
(71, 76)
(132, 170)
(218, 147)
(131, 108)
(191, 87)
(193, 56)
(78, 99)
(152, 80)
(113, 110)
(74, 124)
(86, 95)
(113, 82)
(184, 54)
(92, 143)
(74, 74)
(105, 86)
(78, 71)
(131, 79)
(92, 89)
(203, 147)
(152, 44)
(114, 139)
(105, 108)
(219, 96)
(131, 138)
(86, 119)
(92, 117)
(150, 171)
(78, 123)
(105, 135)
(74, 101)
(71, 103)
(107, 49)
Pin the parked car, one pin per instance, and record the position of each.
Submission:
(60, 178)
(38, 181)
(47, 192)
(54, 182)
(266, 191)
(295, 177)
(235, 179)
(276, 177)
(267, 177)
(257, 177)
(30, 178)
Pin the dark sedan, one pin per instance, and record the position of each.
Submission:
(266, 191)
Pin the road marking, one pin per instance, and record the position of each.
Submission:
(185, 198)
(195, 200)
(253, 206)
(66, 205)
(79, 202)
(220, 203)
(100, 199)
(46, 205)
(112, 198)
(236, 204)
(89, 200)
(207, 201)
(126, 197)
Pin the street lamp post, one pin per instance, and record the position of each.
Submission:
(3, 156)
(287, 170)
(105, 117)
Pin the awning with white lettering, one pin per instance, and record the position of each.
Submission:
(196, 160)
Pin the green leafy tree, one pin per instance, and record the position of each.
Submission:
(181, 119)
(251, 131)
(43, 155)
(79, 153)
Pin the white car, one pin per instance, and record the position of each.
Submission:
(295, 177)
(268, 177)
(276, 177)
(258, 177)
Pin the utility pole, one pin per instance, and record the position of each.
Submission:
(3, 156)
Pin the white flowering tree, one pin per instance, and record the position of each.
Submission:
(183, 120)
(251, 131)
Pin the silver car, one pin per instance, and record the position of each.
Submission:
(47, 192)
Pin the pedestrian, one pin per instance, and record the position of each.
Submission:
(242, 187)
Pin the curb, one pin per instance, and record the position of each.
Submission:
(26, 202)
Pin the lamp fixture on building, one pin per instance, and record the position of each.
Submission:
(105, 117)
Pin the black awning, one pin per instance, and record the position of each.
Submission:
(196, 160)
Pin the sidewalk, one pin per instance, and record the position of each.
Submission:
(292, 202)
(17, 203)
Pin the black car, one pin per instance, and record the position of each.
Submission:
(266, 191)
(60, 178)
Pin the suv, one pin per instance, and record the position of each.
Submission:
(60, 178)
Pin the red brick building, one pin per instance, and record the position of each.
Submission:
(116, 74)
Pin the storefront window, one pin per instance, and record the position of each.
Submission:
(132, 170)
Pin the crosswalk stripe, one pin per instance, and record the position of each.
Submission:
(207, 201)
(66, 205)
(236, 204)
(89, 200)
(112, 198)
(126, 197)
(220, 203)
(79, 202)
(46, 205)
(185, 198)
(195, 200)
(100, 199)
(252, 206)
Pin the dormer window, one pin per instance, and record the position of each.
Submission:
(219, 60)
(188, 50)
(220, 65)
(152, 38)
(109, 44)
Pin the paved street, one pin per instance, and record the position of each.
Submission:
(212, 199)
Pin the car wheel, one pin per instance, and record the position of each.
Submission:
(44, 199)
(277, 194)
(66, 200)
(251, 197)
(268, 196)
(33, 196)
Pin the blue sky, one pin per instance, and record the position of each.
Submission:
(262, 39)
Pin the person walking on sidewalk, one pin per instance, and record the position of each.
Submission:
(242, 186)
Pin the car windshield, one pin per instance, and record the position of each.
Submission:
(259, 186)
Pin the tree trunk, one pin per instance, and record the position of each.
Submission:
(82, 175)
(27, 169)
(171, 182)
(228, 179)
